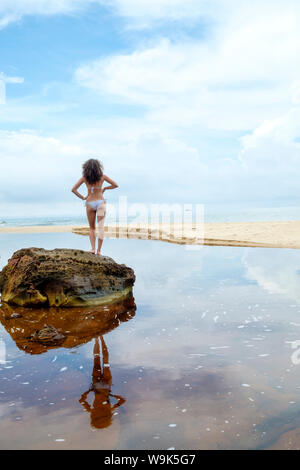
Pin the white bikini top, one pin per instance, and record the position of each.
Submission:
(93, 188)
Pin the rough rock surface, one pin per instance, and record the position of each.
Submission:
(47, 335)
(63, 277)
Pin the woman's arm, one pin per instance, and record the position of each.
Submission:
(113, 184)
(121, 401)
(83, 401)
(76, 186)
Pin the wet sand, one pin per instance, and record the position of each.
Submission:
(254, 234)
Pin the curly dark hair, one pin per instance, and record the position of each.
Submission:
(92, 171)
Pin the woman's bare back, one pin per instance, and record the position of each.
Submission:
(95, 190)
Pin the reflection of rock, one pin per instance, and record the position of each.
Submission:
(37, 330)
(47, 335)
(63, 277)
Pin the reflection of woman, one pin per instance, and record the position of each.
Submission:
(102, 410)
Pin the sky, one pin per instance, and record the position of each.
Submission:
(184, 101)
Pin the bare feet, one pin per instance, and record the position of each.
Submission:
(92, 252)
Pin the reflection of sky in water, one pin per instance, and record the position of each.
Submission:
(209, 351)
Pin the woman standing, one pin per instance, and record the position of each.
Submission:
(94, 178)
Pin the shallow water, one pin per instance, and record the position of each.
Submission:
(205, 357)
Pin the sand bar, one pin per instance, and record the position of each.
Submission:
(38, 229)
(256, 234)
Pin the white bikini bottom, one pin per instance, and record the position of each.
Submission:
(96, 204)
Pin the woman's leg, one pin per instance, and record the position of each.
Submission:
(100, 231)
(91, 215)
(100, 234)
(106, 367)
(97, 372)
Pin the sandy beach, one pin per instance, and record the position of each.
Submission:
(252, 234)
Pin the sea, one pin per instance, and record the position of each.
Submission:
(230, 212)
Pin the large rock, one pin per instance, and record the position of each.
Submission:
(63, 277)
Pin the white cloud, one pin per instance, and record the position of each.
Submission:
(135, 152)
(148, 164)
(234, 79)
(36, 168)
(242, 76)
(4, 79)
(275, 271)
(42, 170)
(143, 13)
(139, 13)
(7, 79)
(148, 13)
(275, 143)
(14, 11)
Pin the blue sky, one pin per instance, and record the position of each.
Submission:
(183, 101)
